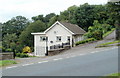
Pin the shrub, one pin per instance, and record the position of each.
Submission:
(22, 55)
(27, 49)
(2, 48)
(9, 50)
(85, 41)
(18, 54)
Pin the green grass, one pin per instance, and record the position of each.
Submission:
(7, 62)
(106, 34)
(108, 43)
(115, 74)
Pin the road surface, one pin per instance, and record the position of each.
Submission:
(92, 64)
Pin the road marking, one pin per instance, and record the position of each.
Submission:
(81, 54)
(93, 52)
(67, 57)
(26, 64)
(73, 55)
(57, 59)
(11, 67)
(43, 61)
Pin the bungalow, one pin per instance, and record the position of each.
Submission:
(58, 33)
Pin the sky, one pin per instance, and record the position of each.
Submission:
(30, 8)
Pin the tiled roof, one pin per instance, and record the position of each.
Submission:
(73, 28)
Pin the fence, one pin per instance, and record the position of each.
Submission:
(58, 46)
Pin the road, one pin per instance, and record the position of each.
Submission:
(91, 64)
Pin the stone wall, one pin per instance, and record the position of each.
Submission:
(57, 51)
(6, 56)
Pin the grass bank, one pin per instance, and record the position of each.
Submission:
(106, 34)
(7, 62)
(107, 44)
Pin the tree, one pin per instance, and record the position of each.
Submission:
(84, 16)
(9, 41)
(114, 9)
(53, 20)
(39, 17)
(15, 25)
(26, 39)
(69, 14)
(48, 17)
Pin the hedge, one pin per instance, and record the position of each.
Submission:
(85, 41)
(22, 55)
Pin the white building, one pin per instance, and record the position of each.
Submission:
(58, 33)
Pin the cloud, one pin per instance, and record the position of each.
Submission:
(29, 8)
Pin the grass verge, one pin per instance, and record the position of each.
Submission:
(115, 74)
(106, 34)
(107, 44)
(7, 62)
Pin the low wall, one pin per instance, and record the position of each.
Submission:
(57, 51)
(6, 56)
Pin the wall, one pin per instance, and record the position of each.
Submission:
(6, 56)
(39, 46)
(78, 38)
(57, 51)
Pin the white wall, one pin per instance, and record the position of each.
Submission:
(39, 47)
(78, 38)
(60, 31)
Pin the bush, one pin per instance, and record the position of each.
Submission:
(21, 55)
(27, 49)
(9, 50)
(2, 48)
(85, 41)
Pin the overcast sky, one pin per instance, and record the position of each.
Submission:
(30, 8)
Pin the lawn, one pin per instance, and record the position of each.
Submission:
(7, 62)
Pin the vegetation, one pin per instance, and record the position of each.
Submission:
(115, 74)
(7, 62)
(106, 34)
(98, 30)
(22, 55)
(26, 49)
(96, 19)
(85, 41)
(107, 44)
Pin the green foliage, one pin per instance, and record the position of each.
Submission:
(22, 55)
(114, 13)
(107, 33)
(26, 39)
(8, 50)
(15, 25)
(85, 41)
(98, 30)
(7, 62)
(9, 41)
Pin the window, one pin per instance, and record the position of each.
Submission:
(43, 38)
(68, 38)
(58, 38)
